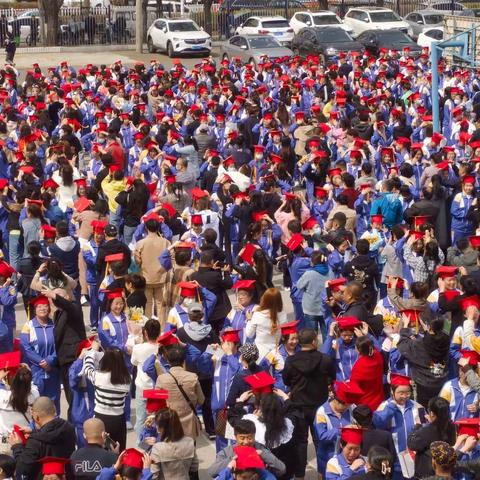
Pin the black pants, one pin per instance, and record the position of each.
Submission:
(287, 453)
(304, 424)
(424, 394)
(115, 426)
(66, 386)
(207, 385)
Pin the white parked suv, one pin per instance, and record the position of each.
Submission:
(180, 36)
(278, 27)
(324, 18)
(374, 18)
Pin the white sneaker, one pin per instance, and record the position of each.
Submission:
(83, 300)
(129, 425)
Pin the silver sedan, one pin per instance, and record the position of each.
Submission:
(251, 48)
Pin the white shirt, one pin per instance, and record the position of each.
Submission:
(140, 353)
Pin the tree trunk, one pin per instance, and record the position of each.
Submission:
(207, 11)
(51, 9)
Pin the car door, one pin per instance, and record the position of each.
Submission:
(416, 23)
(296, 22)
(249, 27)
(161, 32)
(244, 53)
(363, 21)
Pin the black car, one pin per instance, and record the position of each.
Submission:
(326, 42)
(373, 40)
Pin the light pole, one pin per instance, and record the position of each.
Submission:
(138, 26)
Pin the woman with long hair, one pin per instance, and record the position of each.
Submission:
(174, 195)
(65, 178)
(173, 456)
(265, 321)
(16, 397)
(438, 428)
(31, 225)
(274, 429)
(292, 208)
(379, 465)
(109, 375)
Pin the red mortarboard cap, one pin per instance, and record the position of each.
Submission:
(471, 301)
(187, 289)
(115, 257)
(169, 208)
(133, 458)
(336, 283)
(295, 241)
(27, 169)
(49, 231)
(152, 186)
(451, 294)
(168, 338)
(400, 380)
(244, 285)
(348, 323)
(289, 327)
(261, 382)
(198, 193)
(320, 192)
(156, 399)
(32, 201)
(347, 392)
(53, 465)
(6, 270)
(153, 216)
(82, 204)
(400, 283)
(469, 426)
(420, 220)
(247, 458)
(446, 271)
(474, 240)
(247, 253)
(85, 344)
(230, 335)
(115, 293)
(40, 300)
(443, 165)
(437, 137)
(334, 171)
(99, 226)
(81, 182)
(468, 179)
(258, 216)
(188, 245)
(10, 361)
(416, 234)
(290, 196)
(197, 220)
(309, 223)
(412, 315)
(472, 356)
(50, 183)
(3, 183)
(352, 435)
(377, 218)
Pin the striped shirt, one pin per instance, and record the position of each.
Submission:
(109, 398)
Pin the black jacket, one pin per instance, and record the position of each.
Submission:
(309, 373)
(69, 329)
(368, 476)
(358, 310)
(54, 439)
(419, 441)
(380, 438)
(109, 248)
(134, 205)
(218, 283)
(87, 462)
(362, 269)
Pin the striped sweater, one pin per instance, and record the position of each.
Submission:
(109, 398)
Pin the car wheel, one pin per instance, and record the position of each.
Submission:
(151, 47)
(170, 50)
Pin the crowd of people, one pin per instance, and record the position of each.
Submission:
(178, 204)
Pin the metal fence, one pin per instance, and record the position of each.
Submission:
(116, 25)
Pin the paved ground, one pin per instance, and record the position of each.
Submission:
(23, 61)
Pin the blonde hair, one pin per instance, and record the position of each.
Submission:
(272, 301)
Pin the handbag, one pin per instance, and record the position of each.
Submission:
(187, 399)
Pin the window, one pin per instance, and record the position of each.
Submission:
(242, 42)
(326, 20)
(433, 19)
(183, 27)
(251, 22)
(414, 17)
(263, 42)
(333, 35)
(235, 41)
(362, 16)
(275, 24)
(436, 34)
(386, 16)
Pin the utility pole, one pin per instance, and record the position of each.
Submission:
(138, 26)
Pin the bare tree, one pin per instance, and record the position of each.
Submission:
(207, 12)
(51, 10)
(144, 19)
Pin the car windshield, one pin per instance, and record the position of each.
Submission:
(325, 20)
(436, 34)
(263, 42)
(433, 19)
(393, 36)
(183, 27)
(384, 17)
(333, 35)
(275, 24)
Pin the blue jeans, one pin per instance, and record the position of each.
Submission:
(13, 247)
(313, 321)
(128, 234)
(94, 305)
